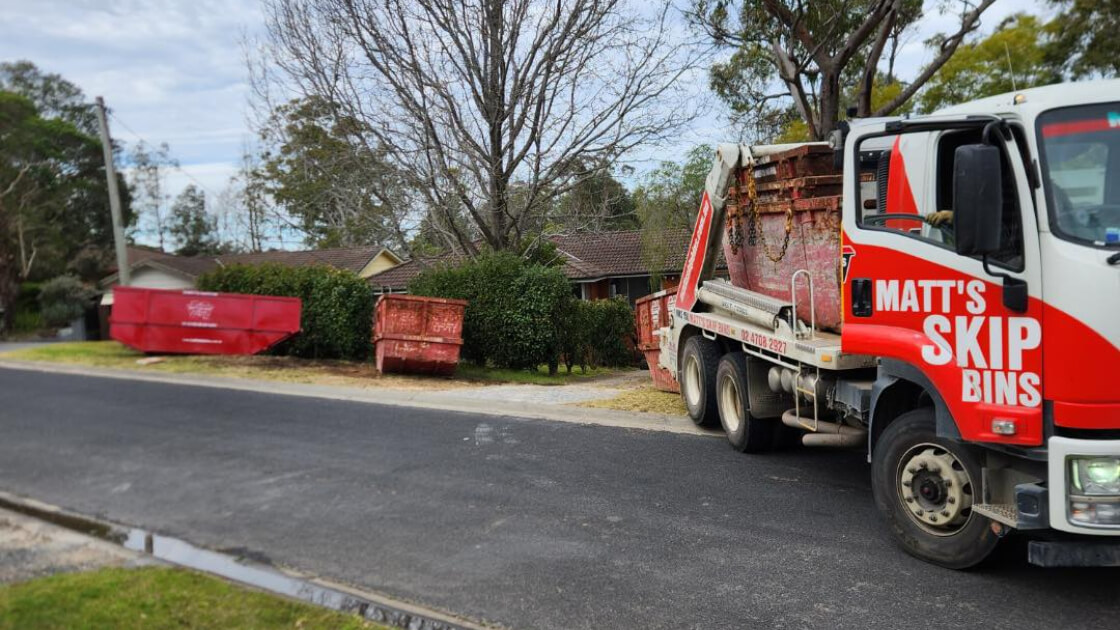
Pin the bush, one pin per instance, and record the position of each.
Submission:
(62, 300)
(600, 333)
(522, 314)
(516, 312)
(611, 332)
(27, 318)
(337, 315)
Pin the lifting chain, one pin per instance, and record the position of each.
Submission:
(755, 233)
(735, 229)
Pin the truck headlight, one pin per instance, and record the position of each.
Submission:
(1094, 490)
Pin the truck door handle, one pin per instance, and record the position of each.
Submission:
(861, 297)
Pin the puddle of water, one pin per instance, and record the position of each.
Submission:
(184, 554)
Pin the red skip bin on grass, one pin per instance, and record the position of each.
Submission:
(201, 322)
(418, 335)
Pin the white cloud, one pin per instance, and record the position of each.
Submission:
(170, 70)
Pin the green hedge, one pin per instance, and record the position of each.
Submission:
(600, 333)
(514, 307)
(522, 314)
(611, 331)
(337, 305)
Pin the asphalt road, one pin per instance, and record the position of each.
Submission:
(530, 524)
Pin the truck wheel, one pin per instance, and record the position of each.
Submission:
(699, 364)
(745, 432)
(925, 486)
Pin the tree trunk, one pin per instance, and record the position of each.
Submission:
(829, 108)
(9, 289)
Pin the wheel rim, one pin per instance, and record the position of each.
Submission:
(935, 489)
(729, 404)
(692, 381)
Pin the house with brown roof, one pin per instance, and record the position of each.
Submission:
(157, 270)
(599, 264)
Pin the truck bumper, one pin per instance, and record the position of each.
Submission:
(1074, 553)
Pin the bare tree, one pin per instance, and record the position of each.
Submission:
(248, 219)
(810, 48)
(149, 173)
(487, 106)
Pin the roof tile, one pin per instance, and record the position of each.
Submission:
(588, 256)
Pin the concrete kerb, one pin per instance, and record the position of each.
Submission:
(390, 396)
(369, 605)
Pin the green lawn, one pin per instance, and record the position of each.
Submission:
(156, 598)
(114, 355)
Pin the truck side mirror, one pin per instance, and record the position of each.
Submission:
(977, 199)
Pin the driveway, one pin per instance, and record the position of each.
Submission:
(525, 523)
(9, 346)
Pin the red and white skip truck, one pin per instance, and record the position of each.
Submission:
(943, 291)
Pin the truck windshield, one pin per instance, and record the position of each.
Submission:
(1081, 165)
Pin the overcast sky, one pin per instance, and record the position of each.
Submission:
(172, 70)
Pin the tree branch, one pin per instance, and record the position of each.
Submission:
(969, 22)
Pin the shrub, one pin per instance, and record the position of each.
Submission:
(27, 318)
(600, 333)
(62, 300)
(337, 316)
(610, 332)
(516, 311)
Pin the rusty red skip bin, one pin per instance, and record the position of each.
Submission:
(201, 322)
(650, 313)
(418, 335)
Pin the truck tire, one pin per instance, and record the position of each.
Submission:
(745, 432)
(925, 486)
(699, 363)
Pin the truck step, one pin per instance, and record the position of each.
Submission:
(1005, 513)
(753, 299)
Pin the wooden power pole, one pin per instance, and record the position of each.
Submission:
(123, 274)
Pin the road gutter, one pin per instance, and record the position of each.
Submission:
(376, 607)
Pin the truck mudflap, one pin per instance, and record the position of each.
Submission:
(1073, 553)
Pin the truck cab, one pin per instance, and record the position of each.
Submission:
(977, 354)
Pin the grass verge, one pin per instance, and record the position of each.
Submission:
(646, 399)
(345, 373)
(156, 598)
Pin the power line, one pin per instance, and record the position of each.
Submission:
(174, 165)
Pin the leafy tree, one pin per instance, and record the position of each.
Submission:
(1013, 57)
(1086, 38)
(669, 196)
(53, 203)
(194, 230)
(83, 217)
(596, 202)
(52, 95)
(817, 52)
(339, 191)
(668, 199)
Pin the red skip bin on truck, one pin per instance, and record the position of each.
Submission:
(942, 291)
(201, 322)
